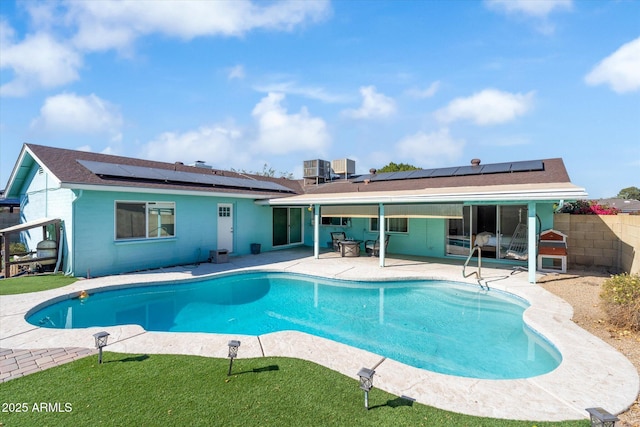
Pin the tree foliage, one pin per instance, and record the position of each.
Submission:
(630, 193)
(397, 167)
(588, 207)
(267, 171)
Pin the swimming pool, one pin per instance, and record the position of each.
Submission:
(445, 327)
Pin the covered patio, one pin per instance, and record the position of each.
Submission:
(442, 204)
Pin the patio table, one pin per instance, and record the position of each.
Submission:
(350, 248)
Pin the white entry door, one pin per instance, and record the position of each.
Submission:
(225, 226)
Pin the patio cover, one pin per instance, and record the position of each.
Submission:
(28, 225)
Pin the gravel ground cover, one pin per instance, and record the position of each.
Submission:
(581, 289)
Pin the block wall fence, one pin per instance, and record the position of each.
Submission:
(609, 241)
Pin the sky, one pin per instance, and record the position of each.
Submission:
(252, 85)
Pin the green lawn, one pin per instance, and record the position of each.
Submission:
(168, 390)
(26, 284)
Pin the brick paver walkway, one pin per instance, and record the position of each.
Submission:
(17, 363)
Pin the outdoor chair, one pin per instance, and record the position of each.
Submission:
(372, 247)
(336, 237)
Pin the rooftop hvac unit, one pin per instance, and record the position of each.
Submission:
(320, 170)
(344, 167)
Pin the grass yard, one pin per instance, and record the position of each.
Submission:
(169, 390)
(26, 284)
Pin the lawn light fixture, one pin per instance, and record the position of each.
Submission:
(601, 418)
(101, 341)
(366, 383)
(233, 353)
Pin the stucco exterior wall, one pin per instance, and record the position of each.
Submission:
(195, 228)
(610, 241)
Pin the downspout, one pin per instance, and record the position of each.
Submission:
(60, 248)
(381, 228)
(69, 271)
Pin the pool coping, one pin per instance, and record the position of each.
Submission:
(591, 374)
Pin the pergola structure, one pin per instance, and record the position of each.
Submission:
(7, 232)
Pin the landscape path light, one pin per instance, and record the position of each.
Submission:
(366, 383)
(101, 341)
(233, 353)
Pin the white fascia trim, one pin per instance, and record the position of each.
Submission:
(92, 187)
(20, 161)
(551, 195)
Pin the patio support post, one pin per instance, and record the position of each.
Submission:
(382, 227)
(316, 231)
(531, 238)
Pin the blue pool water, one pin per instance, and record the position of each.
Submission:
(441, 326)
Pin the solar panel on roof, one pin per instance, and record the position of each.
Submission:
(421, 173)
(387, 176)
(468, 170)
(496, 168)
(444, 172)
(403, 174)
(528, 165)
(361, 178)
(167, 175)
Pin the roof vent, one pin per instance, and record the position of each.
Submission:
(475, 162)
(201, 164)
(373, 171)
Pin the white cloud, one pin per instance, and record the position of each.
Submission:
(117, 24)
(311, 92)
(218, 145)
(487, 107)
(424, 93)
(374, 105)
(38, 61)
(43, 60)
(620, 70)
(282, 133)
(69, 113)
(537, 11)
(427, 150)
(236, 72)
(534, 8)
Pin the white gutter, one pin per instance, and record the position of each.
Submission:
(514, 194)
(127, 189)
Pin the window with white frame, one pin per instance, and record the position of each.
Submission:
(336, 220)
(145, 220)
(393, 225)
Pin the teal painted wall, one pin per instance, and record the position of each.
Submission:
(41, 198)
(425, 237)
(196, 232)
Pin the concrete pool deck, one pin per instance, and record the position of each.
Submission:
(592, 373)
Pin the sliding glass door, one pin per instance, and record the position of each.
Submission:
(504, 224)
(287, 226)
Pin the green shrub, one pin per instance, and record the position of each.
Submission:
(17, 248)
(621, 295)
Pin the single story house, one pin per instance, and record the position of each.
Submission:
(122, 214)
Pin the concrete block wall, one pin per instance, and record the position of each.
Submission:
(610, 241)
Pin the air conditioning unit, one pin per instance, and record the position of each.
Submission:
(317, 169)
(344, 167)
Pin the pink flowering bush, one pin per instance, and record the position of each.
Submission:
(588, 207)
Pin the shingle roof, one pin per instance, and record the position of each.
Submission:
(67, 167)
(553, 172)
